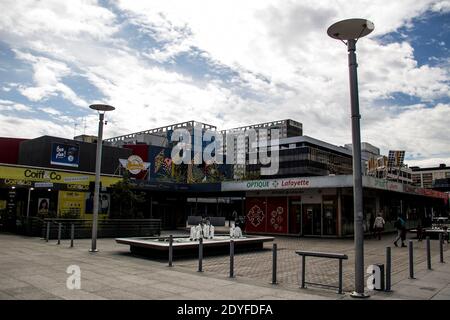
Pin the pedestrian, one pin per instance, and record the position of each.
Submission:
(378, 225)
(400, 225)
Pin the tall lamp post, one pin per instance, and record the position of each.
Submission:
(351, 30)
(101, 109)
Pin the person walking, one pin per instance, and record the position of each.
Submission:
(378, 225)
(400, 225)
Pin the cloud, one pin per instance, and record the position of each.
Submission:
(47, 76)
(248, 61)
(7, 105)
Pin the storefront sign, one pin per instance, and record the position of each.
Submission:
(65, 155)
(16, 175)
(289, 183)
(76, 179)
(71, 204)
(43, 185)
(134, 164)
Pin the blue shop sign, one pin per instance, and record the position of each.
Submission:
(65, 155)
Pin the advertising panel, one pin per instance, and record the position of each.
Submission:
(256, 216)
(277, 218)
(65, 155)
(103, 206)
(70, 204)
(13, 175)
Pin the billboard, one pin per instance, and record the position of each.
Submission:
(65, 155)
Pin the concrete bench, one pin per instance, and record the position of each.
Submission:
(327, 255)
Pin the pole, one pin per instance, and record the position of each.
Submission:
(231, 259)
(28, 203)
(47, 234)
(170, 250)
(72, 235)
(98, 161)
(200, 255)
(274, 264)
(428, 254)
(411, 260)
(441, 248)
(59, 233)
(357, 172)
(388, 269)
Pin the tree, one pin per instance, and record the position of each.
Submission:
(125, 199)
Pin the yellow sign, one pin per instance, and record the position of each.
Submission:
(2, 204)
(24, 175)
(71, 204)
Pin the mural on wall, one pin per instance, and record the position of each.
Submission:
(255, 215)
(266, 214)
(278, 218)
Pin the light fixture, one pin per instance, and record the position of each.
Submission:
(351, 30)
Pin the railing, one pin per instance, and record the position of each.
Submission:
(107, 228)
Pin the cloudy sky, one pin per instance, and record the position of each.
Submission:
(227, 63)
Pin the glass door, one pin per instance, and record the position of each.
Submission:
(312, 220)
(295, 215)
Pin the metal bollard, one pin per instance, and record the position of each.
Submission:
(428, 254)
(388, 269)
(200, 255)
(170, 250)
(47, 234)
(274, 264)
(72, 234)
(441, 248)
(411, 260)
(231, 258)
(59, 233)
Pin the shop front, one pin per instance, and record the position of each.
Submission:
(323, 206)
(46, 193)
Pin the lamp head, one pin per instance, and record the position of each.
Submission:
(350, 29)
(101, 107)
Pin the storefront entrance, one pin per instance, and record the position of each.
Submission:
(312, 220)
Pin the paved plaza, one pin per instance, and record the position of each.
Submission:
(31, 268)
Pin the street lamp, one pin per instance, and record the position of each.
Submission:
(351, 30)
(101, 108)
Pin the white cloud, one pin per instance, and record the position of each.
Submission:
(7, 105)
(284, 65)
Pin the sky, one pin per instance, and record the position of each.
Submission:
(227, 63)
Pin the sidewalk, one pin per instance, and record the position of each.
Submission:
(31, 268)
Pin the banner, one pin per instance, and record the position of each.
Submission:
(15, 175)
(103, 206)
(70, 204)
(256, 215)
(277, 215)
(65, 155)
(43, 205)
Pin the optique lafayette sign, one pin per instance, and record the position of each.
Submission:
(270, 184)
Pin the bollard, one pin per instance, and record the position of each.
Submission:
(411, 260)
(388, 269)
(428, 254)
(47, 235)
(441, 248)
(72, 234)
(59, 233)
(200, 255)
(170, 250)
(231, 258)
(274, 264)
